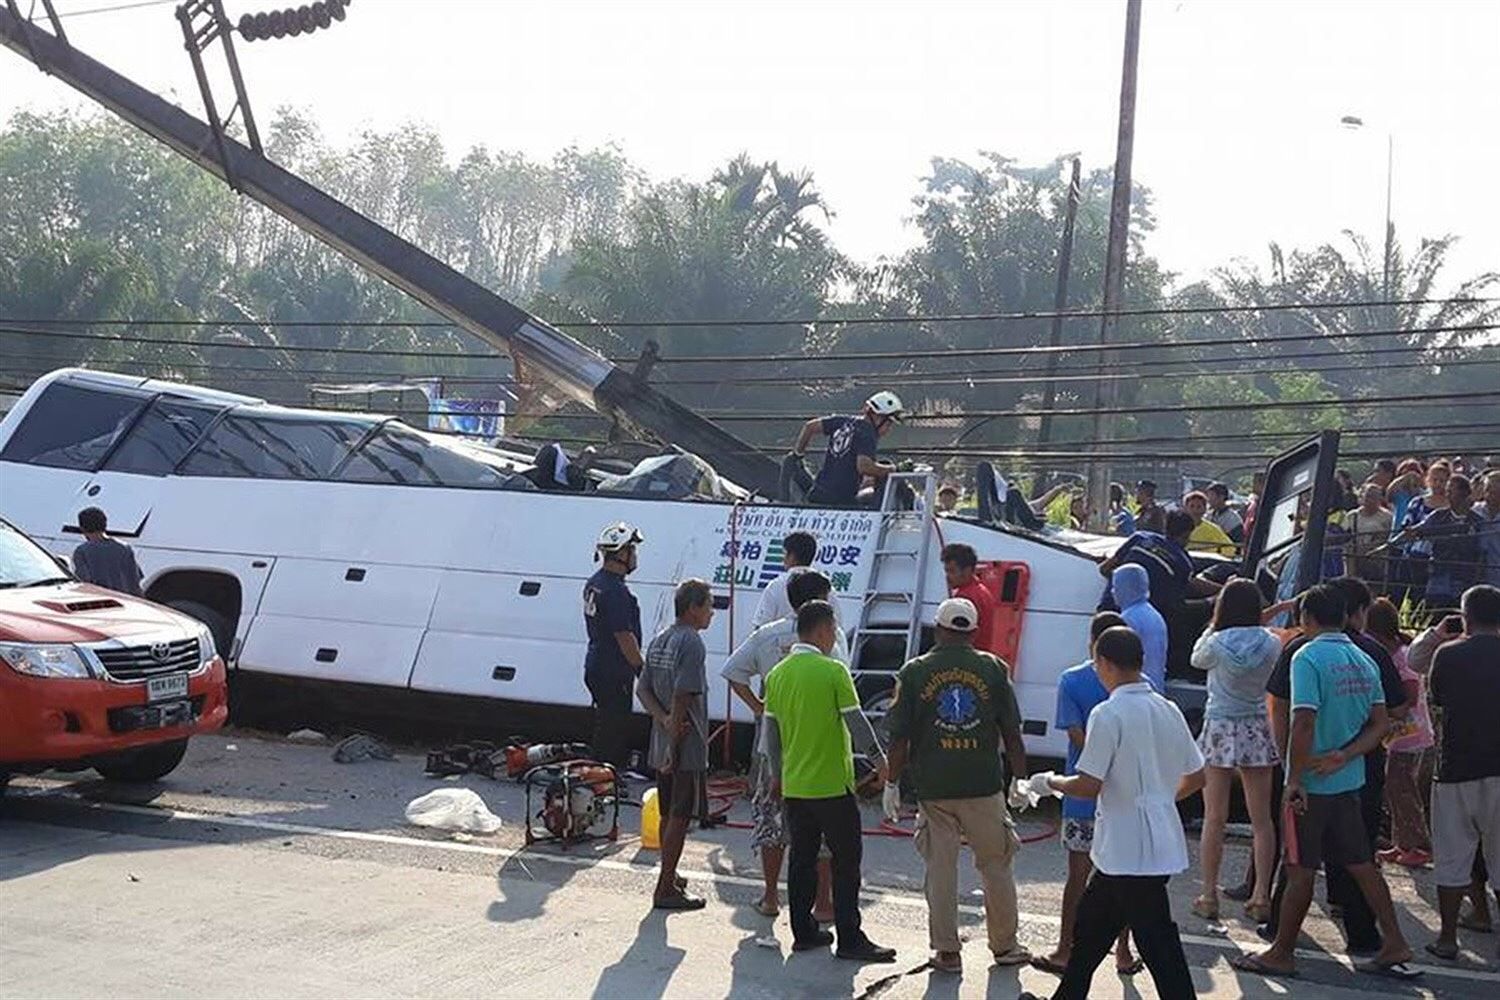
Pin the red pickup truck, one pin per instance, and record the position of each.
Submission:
(94, 679)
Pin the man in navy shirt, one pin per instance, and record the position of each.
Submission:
(612, 617)
(852, 442)
(1166, 561)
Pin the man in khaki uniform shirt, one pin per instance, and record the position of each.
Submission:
(954, 707)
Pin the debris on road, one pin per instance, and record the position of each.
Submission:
(361, 746)
(305, 736)
(452, 809)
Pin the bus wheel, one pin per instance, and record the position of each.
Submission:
(143, 765)
(219, 626)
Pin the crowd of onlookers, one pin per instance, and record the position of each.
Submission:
(1355, 715)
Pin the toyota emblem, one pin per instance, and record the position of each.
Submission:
(161, 652)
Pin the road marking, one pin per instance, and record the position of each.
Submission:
(874, 895)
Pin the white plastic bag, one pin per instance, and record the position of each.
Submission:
(452, 809)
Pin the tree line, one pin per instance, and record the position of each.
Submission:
(98, 222)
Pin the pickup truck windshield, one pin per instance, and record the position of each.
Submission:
(22, 562)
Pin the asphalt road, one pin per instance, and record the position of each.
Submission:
(262, 868)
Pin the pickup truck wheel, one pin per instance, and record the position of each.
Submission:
(145, 764)
(219, 626)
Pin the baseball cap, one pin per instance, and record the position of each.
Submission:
(958, 614)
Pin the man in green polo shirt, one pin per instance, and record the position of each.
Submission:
(954, 707)
(812, 719)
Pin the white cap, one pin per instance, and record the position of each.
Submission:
(958, 614)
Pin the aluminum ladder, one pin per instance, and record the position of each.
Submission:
(898, 573)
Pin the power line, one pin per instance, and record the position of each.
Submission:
(975, 377)
(970, 352)
(1452, 399)
(1026, 454)
(138, 4)
(817, 321)
(1134, 345)
(1004, 375)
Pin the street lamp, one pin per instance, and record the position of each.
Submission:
(1355, 122)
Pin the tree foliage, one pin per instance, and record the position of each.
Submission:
(101, 223)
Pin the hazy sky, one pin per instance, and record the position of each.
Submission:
(1237, 133)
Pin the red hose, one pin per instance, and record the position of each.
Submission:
(728, 790)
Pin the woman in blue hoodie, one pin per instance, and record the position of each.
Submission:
(1238, 655)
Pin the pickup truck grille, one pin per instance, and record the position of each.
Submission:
(133, 663)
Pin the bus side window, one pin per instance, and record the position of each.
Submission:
(72, 427)
(274, 448)
(396, 455)
(162, 436)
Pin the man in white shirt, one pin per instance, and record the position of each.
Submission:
(1138, 759)
(797, 553)
(767, 646)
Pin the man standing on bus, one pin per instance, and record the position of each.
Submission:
(104, 561)
(852, 443)
(612, 618)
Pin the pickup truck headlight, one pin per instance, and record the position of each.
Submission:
(207, 649)
(44, 660)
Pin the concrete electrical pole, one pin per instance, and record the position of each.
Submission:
(1060, 302)
(1114, 262)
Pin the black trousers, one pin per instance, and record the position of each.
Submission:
(1361, 931)
(1110, 904)
(612, 718)
(811, 822)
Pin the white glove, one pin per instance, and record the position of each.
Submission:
(1020, 797)
(1040, 785)
(890, 801)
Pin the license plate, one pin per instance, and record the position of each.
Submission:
(166, 687)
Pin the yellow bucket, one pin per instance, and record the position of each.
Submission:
(650, 821)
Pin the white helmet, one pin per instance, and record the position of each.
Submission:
(617, 536)
(885, 404)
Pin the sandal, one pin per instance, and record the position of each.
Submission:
(1045, 964)
(1394, 970)
(1258, 912)
(679, 901)
(1448, 953)
(1132, 969)
(1206, 908)
(1253, 964)
(767, 909)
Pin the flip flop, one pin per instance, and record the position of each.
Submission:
(1046, 964)
(679, 901)
(1252, 963)
(1132, 969)
(765, 909)
(1395, 970)
(1447, 955)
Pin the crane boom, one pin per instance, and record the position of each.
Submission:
(542, 350)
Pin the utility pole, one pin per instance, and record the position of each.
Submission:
(1060, 303)
(1105, 390)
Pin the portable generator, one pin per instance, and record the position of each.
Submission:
(579, 800)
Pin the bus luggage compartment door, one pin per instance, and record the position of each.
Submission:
(341, 620)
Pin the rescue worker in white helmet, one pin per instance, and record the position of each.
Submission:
(852, 443)
(612, 618)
